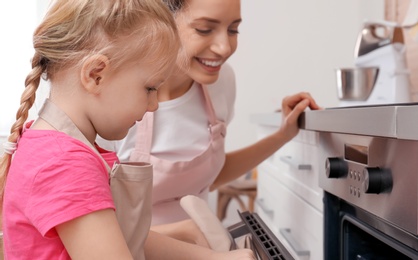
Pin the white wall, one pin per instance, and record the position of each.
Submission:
(291, 46)
(16, 26)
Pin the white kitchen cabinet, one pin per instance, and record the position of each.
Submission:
(289, 199)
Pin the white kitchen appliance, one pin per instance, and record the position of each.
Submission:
(380, 44)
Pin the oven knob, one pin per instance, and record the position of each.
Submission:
(336, 167)
(376, 180)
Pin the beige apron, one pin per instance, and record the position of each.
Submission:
(131, 185)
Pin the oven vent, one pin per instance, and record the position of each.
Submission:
(267, 246)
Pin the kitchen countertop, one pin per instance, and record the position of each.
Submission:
(398, 121)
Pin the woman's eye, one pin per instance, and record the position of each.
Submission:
(233, 31)
(202, 31)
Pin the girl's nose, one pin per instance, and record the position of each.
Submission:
(152, 102)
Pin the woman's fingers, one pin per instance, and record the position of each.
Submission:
(298, 101)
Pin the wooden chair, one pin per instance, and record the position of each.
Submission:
(235, 190)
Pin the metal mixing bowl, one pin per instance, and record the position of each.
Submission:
(356, 83)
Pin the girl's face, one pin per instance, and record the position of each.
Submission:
(126, 95)
(208, 31)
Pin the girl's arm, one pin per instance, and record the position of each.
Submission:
(159, 246)
(185, 230)
(98, 236)
(241, 161)
(94, 236)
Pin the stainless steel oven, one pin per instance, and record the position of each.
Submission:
(370, 180)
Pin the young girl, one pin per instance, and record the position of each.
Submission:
(104, 61)
(195, 105)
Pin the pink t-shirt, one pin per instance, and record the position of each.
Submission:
(53, 178)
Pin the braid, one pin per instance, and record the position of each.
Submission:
(26, 101)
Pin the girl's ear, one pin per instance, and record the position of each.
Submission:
(93, 72)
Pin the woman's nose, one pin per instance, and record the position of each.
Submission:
(223, 45)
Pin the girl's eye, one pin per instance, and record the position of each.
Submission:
(151, 89)
(201, 31)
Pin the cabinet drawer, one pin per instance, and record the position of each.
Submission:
(303, 183)
(296, 165)
(296, 223)
(300, 159)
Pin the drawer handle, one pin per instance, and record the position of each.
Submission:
(292, 162)
(286, 233)
(260, 202)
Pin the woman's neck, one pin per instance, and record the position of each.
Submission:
(175, 86)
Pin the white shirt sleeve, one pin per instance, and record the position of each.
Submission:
(223, 94)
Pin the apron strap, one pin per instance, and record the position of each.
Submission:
(209, 105)
(59, 120)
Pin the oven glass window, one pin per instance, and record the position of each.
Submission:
(361, 245)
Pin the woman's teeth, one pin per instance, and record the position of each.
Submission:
(210, 63)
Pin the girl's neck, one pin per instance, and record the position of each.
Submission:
(175, 86)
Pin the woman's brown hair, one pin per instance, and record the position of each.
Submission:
(174, 5)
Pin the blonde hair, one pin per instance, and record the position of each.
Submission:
(123, 30)
(177, 6)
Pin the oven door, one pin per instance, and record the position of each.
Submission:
(263, 242)
(352, 233)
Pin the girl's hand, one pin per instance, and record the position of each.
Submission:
(292, 107)
(239, 254)
(193, 233)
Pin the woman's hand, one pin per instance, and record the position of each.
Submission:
(292, 107)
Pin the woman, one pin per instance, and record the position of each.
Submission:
(195, 105)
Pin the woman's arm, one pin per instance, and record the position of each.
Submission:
(241, 161)
(94, 236)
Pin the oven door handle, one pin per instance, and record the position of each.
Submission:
(286, 233)
(294, 163)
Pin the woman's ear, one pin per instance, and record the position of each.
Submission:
(93, 72)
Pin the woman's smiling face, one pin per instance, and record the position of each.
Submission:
(209, 32)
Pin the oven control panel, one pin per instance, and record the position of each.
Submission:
(377, 174)
(373, 180)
